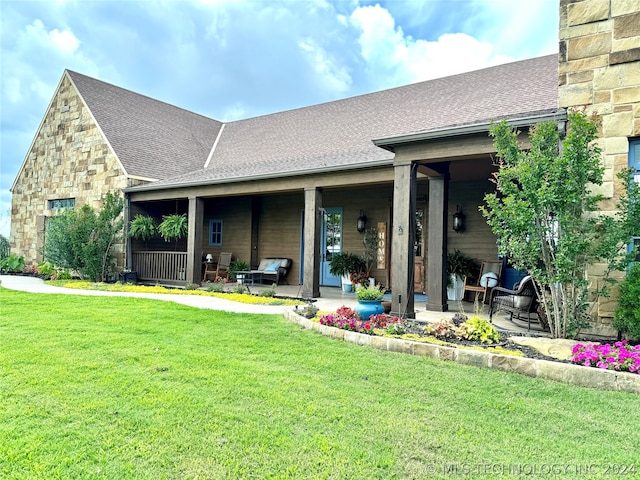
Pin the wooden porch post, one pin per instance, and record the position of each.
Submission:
(128, 254)
(437, 239)
(194, 240)
(312, 226)
(402, 255)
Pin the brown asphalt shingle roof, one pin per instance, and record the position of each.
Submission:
(151, 138)
(340, 133)
(157, 140)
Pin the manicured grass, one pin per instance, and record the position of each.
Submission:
(119, 388)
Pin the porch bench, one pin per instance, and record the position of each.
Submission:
(271, 269)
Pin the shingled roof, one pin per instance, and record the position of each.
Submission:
(339, 134)
(151, 138)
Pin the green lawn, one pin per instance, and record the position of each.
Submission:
(119, 388)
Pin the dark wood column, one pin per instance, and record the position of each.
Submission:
(312, 226)
(402, 240)
(194, 240)
(128, 254)
(437, 238)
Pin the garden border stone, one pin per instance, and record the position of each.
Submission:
(557, 371)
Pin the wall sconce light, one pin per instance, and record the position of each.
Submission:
(458, 220)
(361, 224)
(209, 258)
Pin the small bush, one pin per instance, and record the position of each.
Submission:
(191, 286)
(217, 287)
(269, 292)
(443, 329)
(627, 315)
(478, 330)
(308, 311)
(239, 289)
(12, 264)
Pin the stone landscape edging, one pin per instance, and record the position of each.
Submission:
(546, 369)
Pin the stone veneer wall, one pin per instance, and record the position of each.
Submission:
(599, 67)
(69, 158)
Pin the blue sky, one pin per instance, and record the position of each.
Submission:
(230, 59)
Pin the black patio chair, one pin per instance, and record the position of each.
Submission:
(520, 300)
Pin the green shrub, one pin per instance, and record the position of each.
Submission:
(478, 330)
(308, 311)
(217, 287)
(627, 314)
(5, 247)
(237, 266)
(369, 293)
(12, 264)
(191, 286)
(269, 292)
(239, 289)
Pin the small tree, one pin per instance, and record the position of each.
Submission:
(627, 316)
(5, 247)
(82, 240)
(544, 216)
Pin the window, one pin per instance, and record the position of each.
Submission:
(215, 233)
(62, 203)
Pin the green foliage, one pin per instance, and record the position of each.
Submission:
(627, 315)
(308, 311)
(81, 240)
(345, 263)
(173, 227)
(268, 292)
(478, 330)
(544, 215)
(237, 266)
(143, 227)
(216, 287)
(370, 241)
(239, 289)
(460, 264)
(191, 286)
(12, 264)
(5, 247)
(369, 293)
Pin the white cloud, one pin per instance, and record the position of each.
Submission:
(65, 41)
(399, 58)
(331, 73)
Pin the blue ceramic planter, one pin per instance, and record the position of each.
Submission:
(366, 308)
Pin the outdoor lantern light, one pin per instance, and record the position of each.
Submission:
(458, 220)
(209, 258)
(361, 224)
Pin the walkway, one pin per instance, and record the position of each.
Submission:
(330, 300)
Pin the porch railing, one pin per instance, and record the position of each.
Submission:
(160, 266)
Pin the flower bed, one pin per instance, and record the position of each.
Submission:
(620, 356)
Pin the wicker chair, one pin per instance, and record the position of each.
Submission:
(521, 300)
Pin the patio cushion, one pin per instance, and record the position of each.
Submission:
(273, 267)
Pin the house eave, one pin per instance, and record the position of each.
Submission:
(389, 143)
(221, 181)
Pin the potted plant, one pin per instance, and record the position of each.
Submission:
(143, 227)
(459, 266)
(173, 227)
(343, 264)
(369, 301)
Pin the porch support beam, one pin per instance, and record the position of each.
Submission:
(194, 240)
(402, 240)
(437, 238)
(128, 259)
(312, 226)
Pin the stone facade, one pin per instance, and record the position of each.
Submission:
(599, 68)
(68, 159)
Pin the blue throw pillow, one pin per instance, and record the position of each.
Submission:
(273, 267)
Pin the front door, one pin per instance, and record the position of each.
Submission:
(330, 243)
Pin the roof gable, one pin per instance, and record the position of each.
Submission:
(152, 139)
